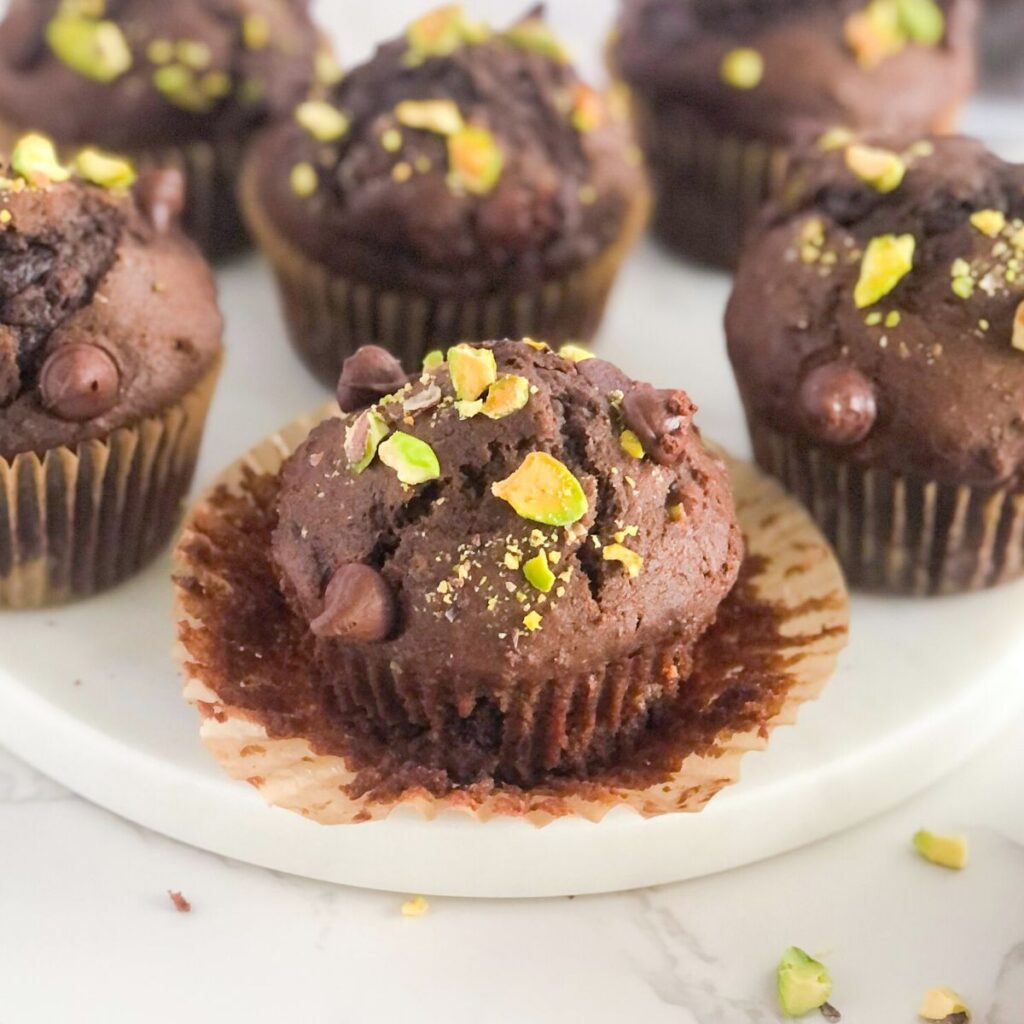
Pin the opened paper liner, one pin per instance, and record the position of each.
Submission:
(794, 571)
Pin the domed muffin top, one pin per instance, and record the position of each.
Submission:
(107, 313)
(136, 74)
(510, 510)
(784, 69)
(880, 309)
(457, 156)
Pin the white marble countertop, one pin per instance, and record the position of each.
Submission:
(89, 934)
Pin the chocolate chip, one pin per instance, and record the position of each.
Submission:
(369, 374)
(79, 381)
(358, 605)
(10, 373)
(21, 34)
(160, 197)
(660, 418)
(837, 404)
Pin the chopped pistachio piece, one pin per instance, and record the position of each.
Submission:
(255, 32)
(1018, 329)
(875, 33)
(104, 169)
(946, 851)
(415, 907)
(473, 371)
(432, 360)
(94, 48)
(304, 179)
(537, 346)
(630, 560)
(922, 20)
(882, 170)
(178, 85)
(535, 34)
(587, 109)
(532, 621)
(835, 138)
(630, 444)
(35, 159)
(412, 459)
(440, 116)
(326, 67)
(475, 160)
(194, 54)
(544, 490)
(440, 33)
(362, 438)
(989, 222)
(577, 353)
(323, 121)
(160, 51)
(939, 1004)
(508, 394)
(887, 260)
(467, 410)
(538, 573)
(742, 68)
(804, 984)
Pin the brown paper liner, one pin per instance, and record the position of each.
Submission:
(211, 171)
(329, 316)
(74, 521)
(796, 575)
(902, 534)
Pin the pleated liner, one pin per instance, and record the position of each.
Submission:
(329, 316)
(75, 521)
(798, 576)
(902, 534)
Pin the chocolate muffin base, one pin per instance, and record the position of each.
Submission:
(75, 521)
(901, 534)
(329, 316)
(250, 672)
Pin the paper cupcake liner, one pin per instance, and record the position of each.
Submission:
(211, 170)
(902, 534)
(329, 315)
(794, 573)
(74, 521)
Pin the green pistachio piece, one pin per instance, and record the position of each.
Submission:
(922, 20)
(467, 410)
(939, 1004)
(475, 160)
(535, 35)
(95, 49)
(630, 444)
(180, 86)
(875, 33)
(742, 68)
(887, 260)
(35, 159)
(882, 170)
(630, 560)
(473, 371)
(432, 360)
(543, 490)
(538, 573)
(803, 983)
(303, 179)
(412, 459)
(588, 109)
(577, 353)
(505, 396)
(104, 169)
(440, 33)
(362, 438)
(324, 122)
(946, 851)
(989, 222)
(439, 116)
(255, 32)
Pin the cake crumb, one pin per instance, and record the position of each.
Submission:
(415, 907)
(181, 905)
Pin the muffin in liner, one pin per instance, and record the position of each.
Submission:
(76, 520)
(774, 646)
(329, 316)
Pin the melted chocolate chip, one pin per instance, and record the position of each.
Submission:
(837, 404)
(369, 374)
(358, 605)
(660, 418)
(79, 382)
(21, 34)
(10, 374)
(160, 197)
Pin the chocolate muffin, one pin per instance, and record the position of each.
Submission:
(513, 551)
(462, 185)
(722, 90)
(180, 85)
(109, 350)
(877, 334)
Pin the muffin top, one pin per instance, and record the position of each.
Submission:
(456, 158)
(510, 510)
(133, 74)
(784, 69)
(881, 309)
(107, 313)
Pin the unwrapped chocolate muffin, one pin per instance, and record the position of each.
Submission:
(877, 333)
(722, 91)
(180, 85)
(109, 351)
(462, 185)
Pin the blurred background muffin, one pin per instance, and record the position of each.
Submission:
(463, 184)
(180, 85)
(876, 330)
(723, 89)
